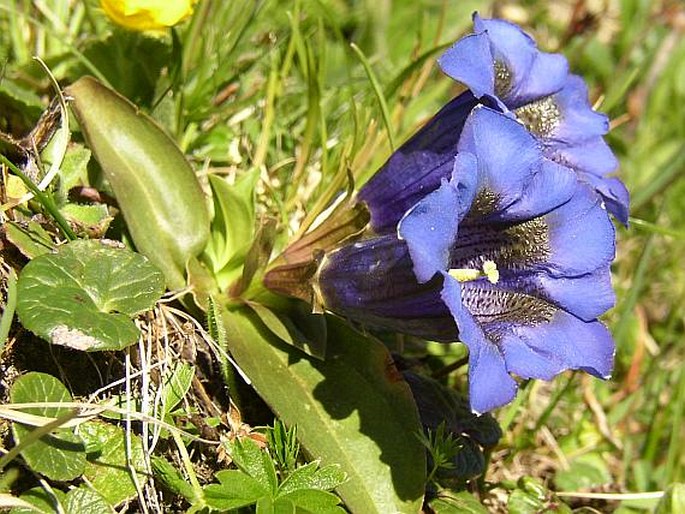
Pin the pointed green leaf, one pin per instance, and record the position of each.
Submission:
(32, 240)
(83, 296)
(313, 501)
(309, 477)
(353, 409)
(61, 454)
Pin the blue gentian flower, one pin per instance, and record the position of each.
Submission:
(503, 65)
(510, 255)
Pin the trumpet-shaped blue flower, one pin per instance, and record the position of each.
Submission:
(502, 64)
(510, 255)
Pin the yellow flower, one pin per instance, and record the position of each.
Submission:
(147, 14)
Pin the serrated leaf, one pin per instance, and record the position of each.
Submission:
(255, 462)
(83, 296)
(61, 454)
(86, 501)
(108, 470)
(452, 502)
(40, 499)
(236, 489)
(313, 501)
(353, 409)
(309, 477)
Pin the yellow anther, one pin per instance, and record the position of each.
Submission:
(489, 271)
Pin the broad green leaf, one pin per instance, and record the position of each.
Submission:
(353, 409)
(83, 296)
(39, 498)
(284, 328)
(59, 455)
(108, 470)
(155, 187)
(451, 502)
(673, 502)
(32, 240)
(83, 500)
(236, 489)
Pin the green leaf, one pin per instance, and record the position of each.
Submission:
(84, 295)
(309, 477)
(352, 409)
(155, 187)
(452, 502)
(236, 489)
(313, 501)
(255, 462)
(233, 225)
(61, 454)
(284, 328)
(171, 478)
(39, 497)
(584, 472)
(673, 502)
(531, 497)
(177, 385)
(108, 470)
(32, 240)
(83, 500)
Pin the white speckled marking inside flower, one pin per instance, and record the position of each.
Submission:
(541, 117)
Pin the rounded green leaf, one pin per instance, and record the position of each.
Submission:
(59, 455)
(108, 470)
(83, 296)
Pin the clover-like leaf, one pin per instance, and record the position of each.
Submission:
(84, 295)
(59, 455)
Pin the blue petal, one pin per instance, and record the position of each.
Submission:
(507, 154)
(534, 74)
(417, 167)
(587, 346)
(572, 293)
(430, 228)
(615, 195)
(469, 61)
(528, 362)
(581, 236)
(579, 120)
(590, 156)
(490, 385)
